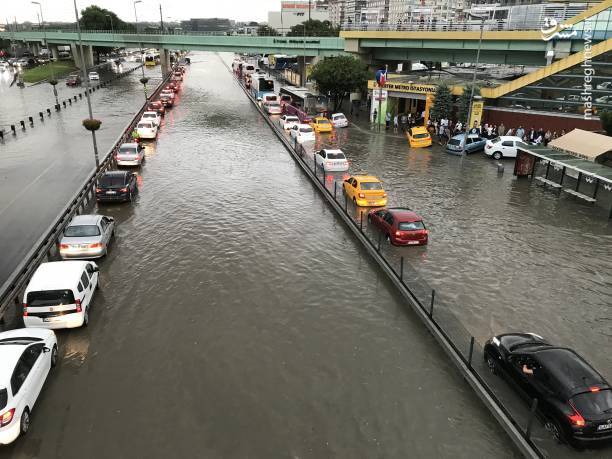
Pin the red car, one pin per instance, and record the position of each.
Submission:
(400, 226)
(157, 106)
(172, 87)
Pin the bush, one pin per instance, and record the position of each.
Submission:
(91, 124)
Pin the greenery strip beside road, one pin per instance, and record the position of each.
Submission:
(44, 72)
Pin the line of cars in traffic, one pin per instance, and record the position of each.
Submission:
(574, 400)
(60, 293)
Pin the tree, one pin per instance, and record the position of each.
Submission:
(96, 18)
(463, 104)
(338, 76)
(606, 121)
(267, 31)
(314, 28)
(443, 103)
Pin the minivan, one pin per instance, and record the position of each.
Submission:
(60, 294)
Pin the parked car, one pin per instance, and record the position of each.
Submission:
(400, 226)
(502, 147)
(473, 144)
(151, 116)
(302, 133)
(130, 154)
(157, 106)
(332, 160)
(365, 190)
(87, 237)
(94, 76)
(73, 80)
(339, 120)
(273, 108)
(418, 137)
(116, 186)
(321, 124)
(60, 294)
(166, 100)
(288, 121)
(26, 357)
(172, 87)
(573, 398)
(146, 129)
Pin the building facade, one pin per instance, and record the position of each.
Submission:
(353, 12)
(336, 12)
(294, 12)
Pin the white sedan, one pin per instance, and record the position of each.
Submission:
(146, 129)
(339, 120)
(332, 160)
(302, 133)
(154, 117)
(26, 356)
(288, 121)
(94, 76)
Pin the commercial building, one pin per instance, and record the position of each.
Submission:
(207, 25)
(294, 12)
(353, 12)
(337, 9)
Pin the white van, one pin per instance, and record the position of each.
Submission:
(270, 98)
(502, 147)
(60, 294)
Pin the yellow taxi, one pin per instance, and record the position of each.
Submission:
(418, 137)
(321, 124)
(365, 190)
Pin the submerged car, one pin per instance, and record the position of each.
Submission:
(130, 154)
(473, 144)
(365, 190)
(302, 133)
(400, 226)
(158, 107)
(573, 398)
(151, 116)
(331, 160)
(116, 186)
(321, 124)
(94, 76)
(503, 147)
(339, 120)
(273, 108)
(146, 129)
(288, 121)
(418, 137)
(87, 237)
(73, 80)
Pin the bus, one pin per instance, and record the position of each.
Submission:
(281, 61)
(152, 58)
(305, 103)
(260, 85)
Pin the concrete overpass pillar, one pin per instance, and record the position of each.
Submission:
(87, 54)
(165, 62)
(54, 51)
(34, 48)
(89, 59)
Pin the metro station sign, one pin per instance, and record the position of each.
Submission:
(405, 87)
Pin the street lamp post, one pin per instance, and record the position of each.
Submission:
(41, 23)
(86, 80)
(468, 127)
(112, 28)
(143, 80)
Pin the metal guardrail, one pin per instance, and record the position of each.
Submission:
(520, 436)
(11, 290)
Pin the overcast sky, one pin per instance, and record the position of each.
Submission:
(148, 10)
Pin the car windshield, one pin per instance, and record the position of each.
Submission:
(82, 231)
(335, 156)
(454, 142)
(371, 186)
(274, 105)
(339, 117)
(594, 403)
(150, 115)
(411, 226)
(3, 398)
(112, 181)
(305, 130)
(323, 122)
(144, 125)
(50, 298)
(420, 136)
(128, 150)
(286, 98)
(496, 139)
(292, 119)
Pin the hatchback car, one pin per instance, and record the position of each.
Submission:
(166, 99)
(302, 133)
(573, 398)
(273, 108)
(365, 190)
(26, 357)
(332, 160)
(87, 237)
(130, 154)
(60, 294)
(73, 80)
(152, 116)
(418, 137)
(158, 107)
(339, 120)
(502, 147)
(116, 186)
(473, 144)
(400, 226)
(321, 124)
(288, 121)
(146, 129)
(93, 76)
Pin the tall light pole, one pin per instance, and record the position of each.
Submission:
(86, 80)
(112, 28)
(161, 19)
(468, 127)
(141, 52)
(41, 23)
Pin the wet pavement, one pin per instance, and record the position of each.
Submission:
(239, 318)
(43, 167)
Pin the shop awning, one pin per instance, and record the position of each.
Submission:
(583, 144)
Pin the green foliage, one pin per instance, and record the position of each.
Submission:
(267, 31)
(443, 103)
(91, 124)
(47, 71)
(606, 121)
(314, 28)
(95, 18)
(463, 104)
(338, 76)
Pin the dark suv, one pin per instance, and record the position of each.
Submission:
(574, 399)
(116, 186)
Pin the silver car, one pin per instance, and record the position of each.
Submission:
(87, 237)
(130, 154)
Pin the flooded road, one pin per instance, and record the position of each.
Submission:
(239, 318)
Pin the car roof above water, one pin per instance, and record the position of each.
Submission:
(91, 219)
(56, 275)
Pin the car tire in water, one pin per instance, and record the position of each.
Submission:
(491, 365)
(54, 356)
(388, 239)
(24, 423)
(555, 430)
(497, 155)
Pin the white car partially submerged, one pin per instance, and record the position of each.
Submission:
(26, 356)
(339, 120)
(94, 76)
(288, 121)
(302, 133)
(146, 129)
(504, 146)
(332, 160)
(152, 116)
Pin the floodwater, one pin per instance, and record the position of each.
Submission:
(238, 317)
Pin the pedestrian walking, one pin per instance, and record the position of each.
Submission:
(387, 121)
(395, 123)
(374, 116)
(501, 130)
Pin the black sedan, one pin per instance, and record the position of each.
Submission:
(573, 398)
(116, 186)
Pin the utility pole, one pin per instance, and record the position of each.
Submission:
(161, 18)
(309, 10)
(469, 115)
